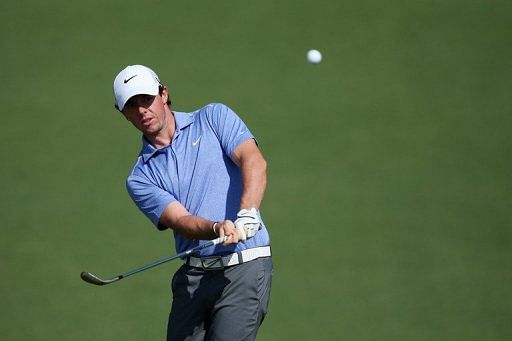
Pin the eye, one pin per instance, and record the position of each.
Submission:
(130, 104)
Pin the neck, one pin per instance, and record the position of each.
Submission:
(164, 136)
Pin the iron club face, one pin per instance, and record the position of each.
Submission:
(92, 279)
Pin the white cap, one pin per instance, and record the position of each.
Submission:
(134, 80)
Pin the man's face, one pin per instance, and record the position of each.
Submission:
(147, 113)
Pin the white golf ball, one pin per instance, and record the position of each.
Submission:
(314, 56)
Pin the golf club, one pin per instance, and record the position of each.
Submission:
(93, 279)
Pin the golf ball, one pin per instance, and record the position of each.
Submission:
(314, 56)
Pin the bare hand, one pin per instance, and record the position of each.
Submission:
(228, 229)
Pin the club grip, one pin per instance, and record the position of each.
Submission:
(219, 240)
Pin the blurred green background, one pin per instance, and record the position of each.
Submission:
(389, 162)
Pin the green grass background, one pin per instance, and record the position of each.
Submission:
(389, 163)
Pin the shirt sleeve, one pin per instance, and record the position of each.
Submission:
(229, 127)
(149, 198)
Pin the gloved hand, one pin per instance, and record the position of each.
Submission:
(250, 220)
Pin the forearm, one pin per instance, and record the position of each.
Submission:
(253, 167)
(194, 227)
(254, 181)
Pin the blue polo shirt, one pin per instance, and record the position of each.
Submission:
(196, 170)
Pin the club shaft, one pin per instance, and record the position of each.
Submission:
(170, 258)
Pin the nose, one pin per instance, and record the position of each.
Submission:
(141, 109)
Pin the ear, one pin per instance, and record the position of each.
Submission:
(164, 95)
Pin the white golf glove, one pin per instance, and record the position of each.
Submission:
(250, 220)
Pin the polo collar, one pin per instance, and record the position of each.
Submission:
(182, 120)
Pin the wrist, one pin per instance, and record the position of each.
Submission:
(248, 209)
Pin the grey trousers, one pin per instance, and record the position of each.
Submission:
(228, 304)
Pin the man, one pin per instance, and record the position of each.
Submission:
(202, 175)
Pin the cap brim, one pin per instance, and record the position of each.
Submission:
(127, 94)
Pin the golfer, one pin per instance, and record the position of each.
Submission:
(201, 175)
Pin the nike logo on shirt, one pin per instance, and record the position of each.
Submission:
(196, 141)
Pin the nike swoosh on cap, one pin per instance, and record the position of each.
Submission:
(128, 79)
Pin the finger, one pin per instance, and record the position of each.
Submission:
(221, 230)
(229, 240)
(236, 237)
(228, 229)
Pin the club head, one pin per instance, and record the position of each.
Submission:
(92, 279)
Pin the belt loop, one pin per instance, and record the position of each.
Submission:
(240, 257)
